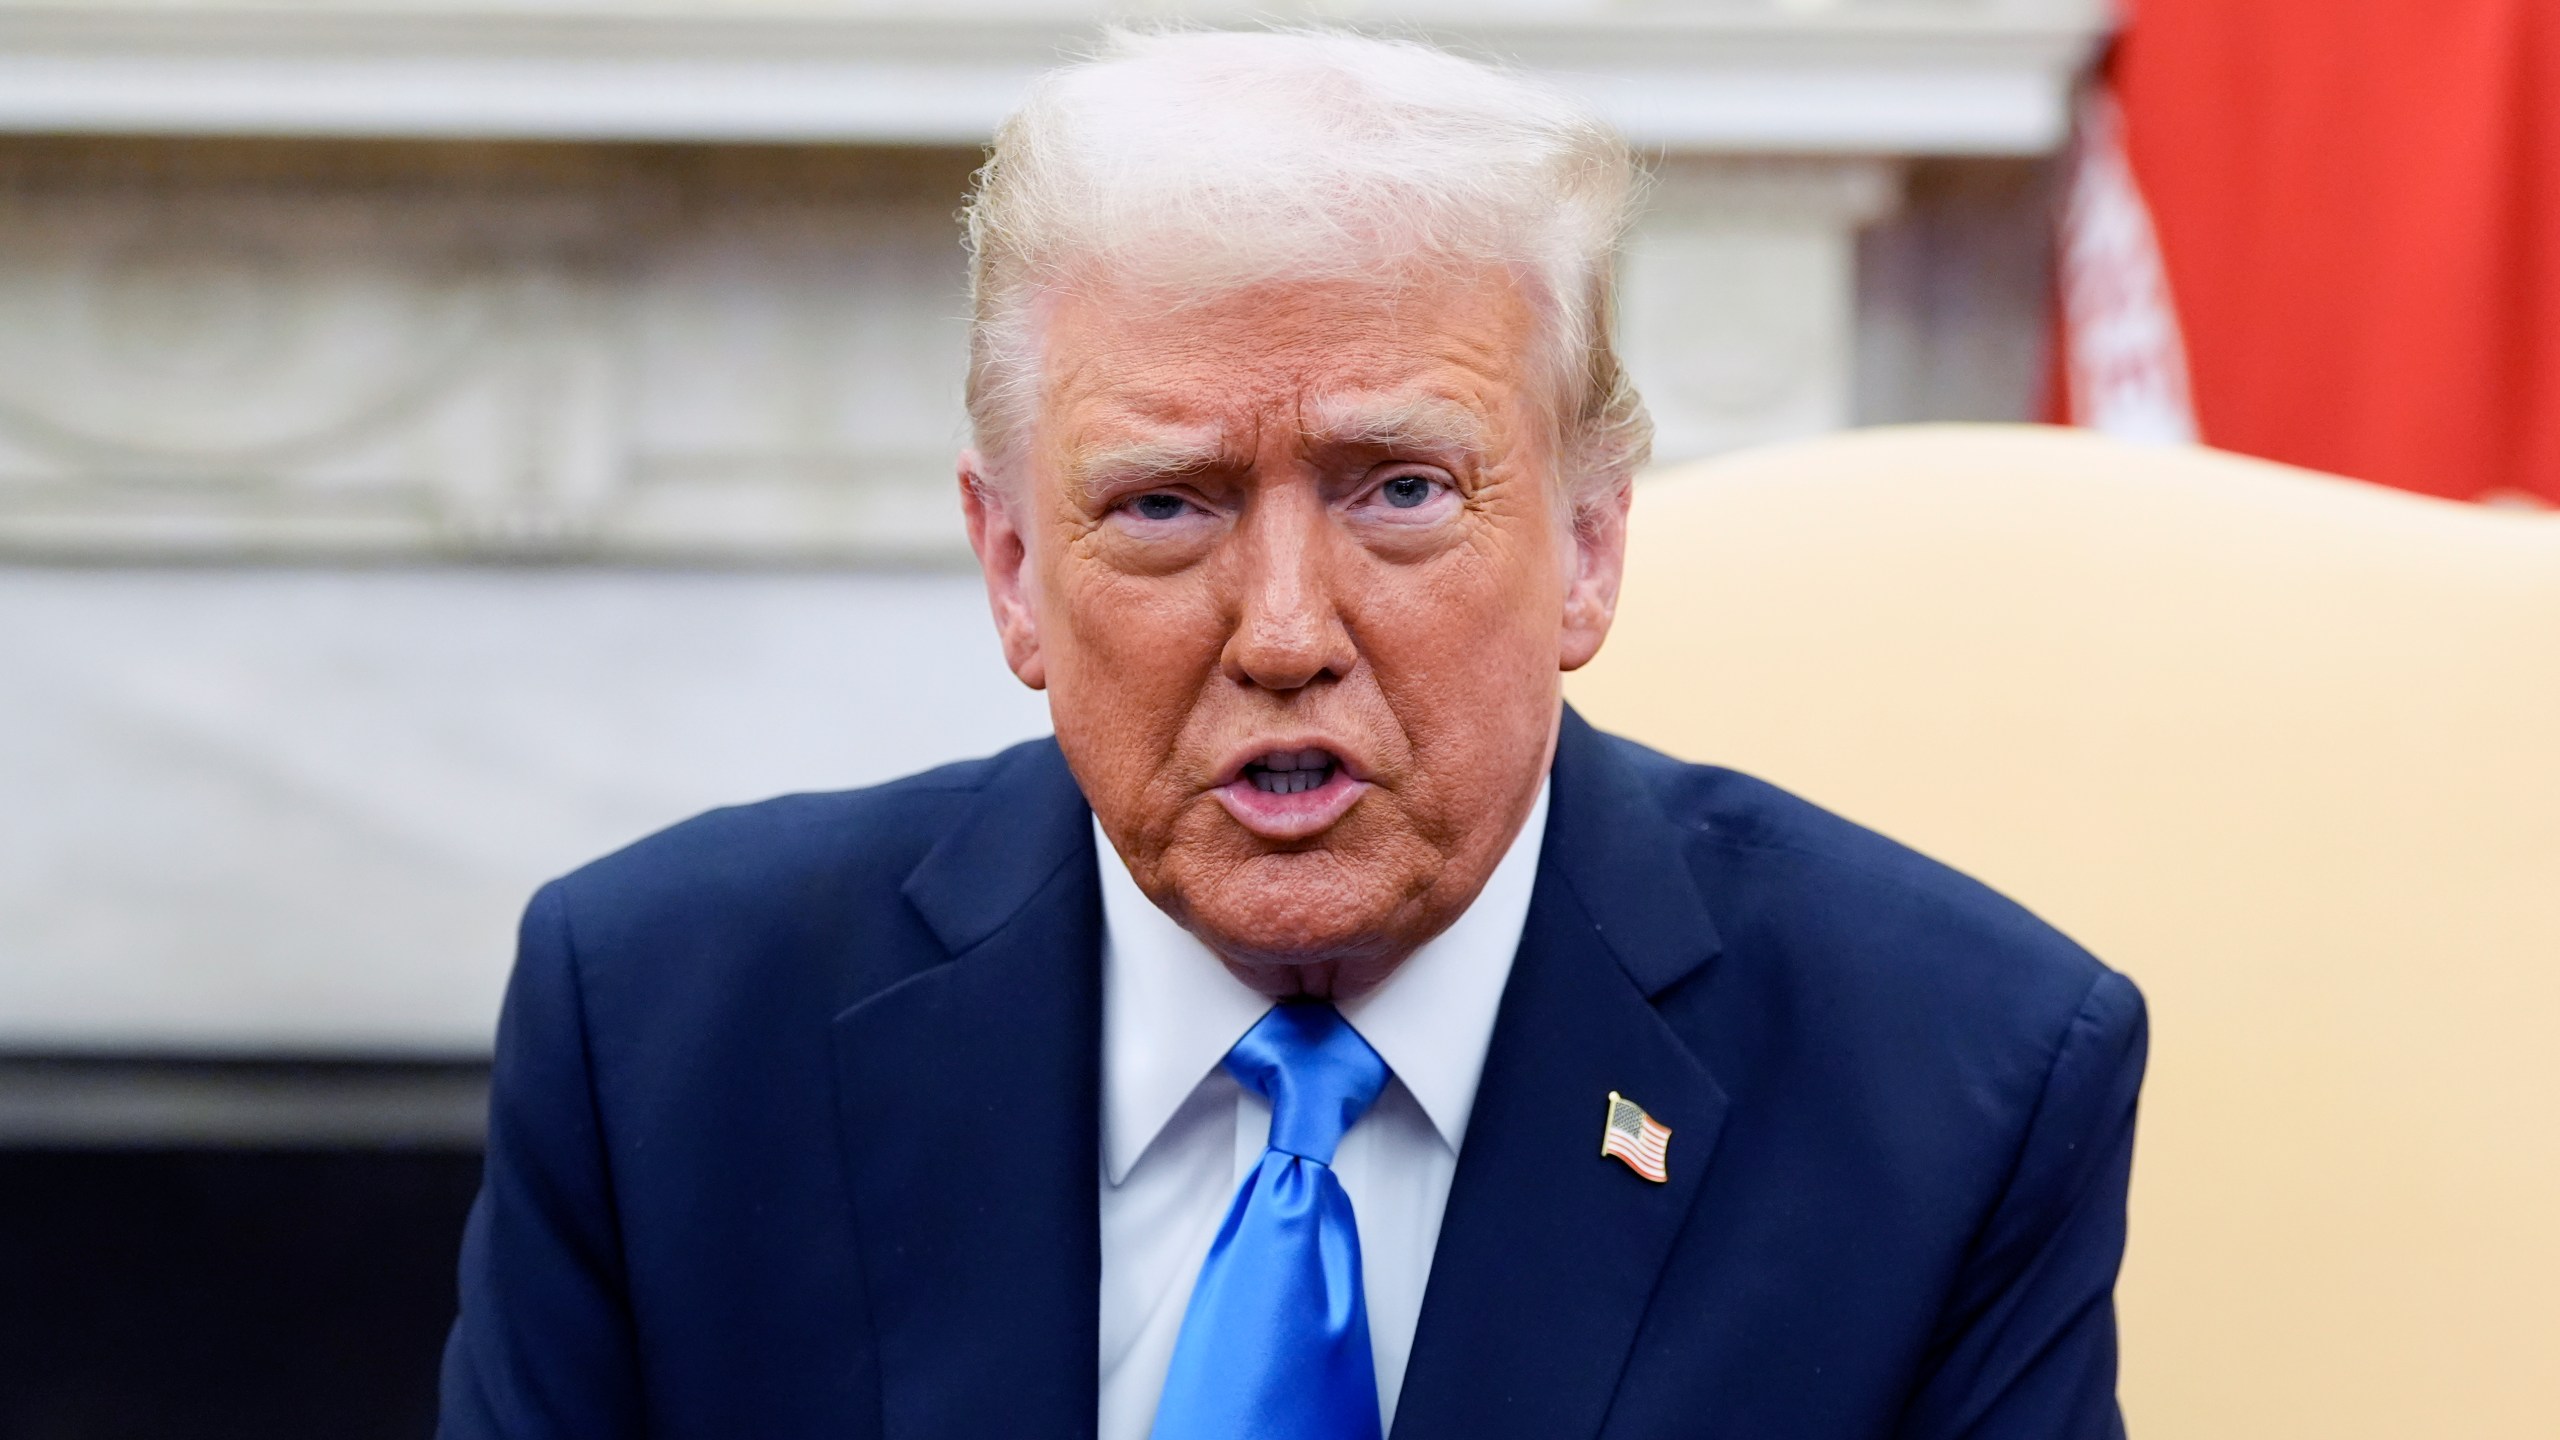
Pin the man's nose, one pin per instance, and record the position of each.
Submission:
(1289, 632)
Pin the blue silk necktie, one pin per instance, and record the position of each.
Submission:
(1275, 1345)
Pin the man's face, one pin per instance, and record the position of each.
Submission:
(1294, 567)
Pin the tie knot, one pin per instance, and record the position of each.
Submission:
(1316, 1071)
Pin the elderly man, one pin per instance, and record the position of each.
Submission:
(1327, 1031)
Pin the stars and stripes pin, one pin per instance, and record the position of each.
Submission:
(1637, 1138)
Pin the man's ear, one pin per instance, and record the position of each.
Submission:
(1591, 589)
(1004, 559)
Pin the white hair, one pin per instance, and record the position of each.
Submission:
(1205, 160)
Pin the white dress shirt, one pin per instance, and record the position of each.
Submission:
(1179, 1135)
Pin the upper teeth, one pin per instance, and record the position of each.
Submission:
(1287, 772)
(1296, 760)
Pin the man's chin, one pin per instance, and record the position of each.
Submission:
(1269, 929)
(1348, 898)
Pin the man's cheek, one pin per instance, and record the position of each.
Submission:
(1153, 621)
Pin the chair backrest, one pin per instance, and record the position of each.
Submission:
(2286, 749)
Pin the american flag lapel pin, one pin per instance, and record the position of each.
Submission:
(1636, 1138)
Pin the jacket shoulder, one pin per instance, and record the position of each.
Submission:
(1881, 1021)
(1834, 912)
(744, 852)
(726, 894)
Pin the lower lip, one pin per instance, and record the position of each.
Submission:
(1295, 816)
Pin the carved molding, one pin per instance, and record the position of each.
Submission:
(623, 360)
(255, 348)
(1737, 298)
(277, 351)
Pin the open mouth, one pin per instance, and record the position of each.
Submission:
(1289, 772)
(1294, 793)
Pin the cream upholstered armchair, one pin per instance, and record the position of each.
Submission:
(2284, 748)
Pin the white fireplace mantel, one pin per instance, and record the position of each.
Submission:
(586, 360)
(699, 353)
(1764, 76)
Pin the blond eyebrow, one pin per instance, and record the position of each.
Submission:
(1422, 422)
(1142, 462)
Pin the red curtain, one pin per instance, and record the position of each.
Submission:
(2357, 203)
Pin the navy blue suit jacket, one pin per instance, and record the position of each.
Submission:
(795, 1134)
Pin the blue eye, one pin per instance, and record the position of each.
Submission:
(1160, 506)
(1407, 491)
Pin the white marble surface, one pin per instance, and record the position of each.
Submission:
(300, 809)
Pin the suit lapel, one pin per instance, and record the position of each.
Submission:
(1549, 1252)
(968, 1097)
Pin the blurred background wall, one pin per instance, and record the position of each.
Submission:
(442, 442)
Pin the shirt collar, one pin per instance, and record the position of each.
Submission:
(1171, 1011)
